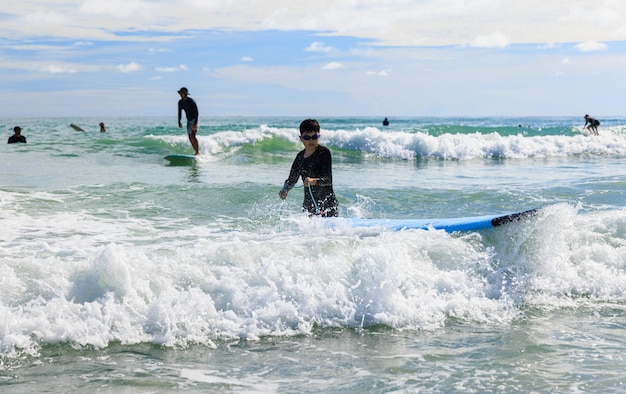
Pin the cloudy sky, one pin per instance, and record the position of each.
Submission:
(314, 58)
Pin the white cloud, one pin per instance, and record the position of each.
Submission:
(59, 69)
(130, 67)
(391, 22)
(246, 59)
(46, 15)
(549, 45)
(493, 40)
(34, 47)
(181, 67)
(381, 73)
(318, 46)
(48, 67)
(333, 66)
(591, 46)
(118, 9)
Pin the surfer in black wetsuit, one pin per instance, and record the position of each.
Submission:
(17, 136)
(314, 166)
(190, 107)
(593, 124)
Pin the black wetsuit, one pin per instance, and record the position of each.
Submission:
(16, 138)
(189, 106)
(318, 165)
(592, 122)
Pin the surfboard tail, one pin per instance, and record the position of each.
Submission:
(514, 217)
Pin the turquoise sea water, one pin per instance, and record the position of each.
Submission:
(120, 272)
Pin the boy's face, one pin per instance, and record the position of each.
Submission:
(310, 139)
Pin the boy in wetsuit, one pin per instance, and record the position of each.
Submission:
(593, 124)
(314, 166)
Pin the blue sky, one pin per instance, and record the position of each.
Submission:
(330, 58)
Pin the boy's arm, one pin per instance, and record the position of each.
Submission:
(326, 176)
(293, 177)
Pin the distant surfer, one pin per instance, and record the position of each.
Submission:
(593, 124)
(103, 128)
(386, 122)
(17, 136)
(190, 107)
(314, 166)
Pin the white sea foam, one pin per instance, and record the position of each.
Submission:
(403, 145)
(125, 280)
(410, 145)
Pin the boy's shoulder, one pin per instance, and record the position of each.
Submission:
(322, 148)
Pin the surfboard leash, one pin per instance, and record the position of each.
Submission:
(317, 208)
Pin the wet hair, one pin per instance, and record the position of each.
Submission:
(309, 126)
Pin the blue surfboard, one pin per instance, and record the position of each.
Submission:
(449, 225)
(181, 159)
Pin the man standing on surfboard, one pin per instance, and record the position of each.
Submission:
(188, 105)
(593, 124)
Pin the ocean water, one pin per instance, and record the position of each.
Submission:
(120, 272)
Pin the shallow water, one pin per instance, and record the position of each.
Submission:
(122, 273)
